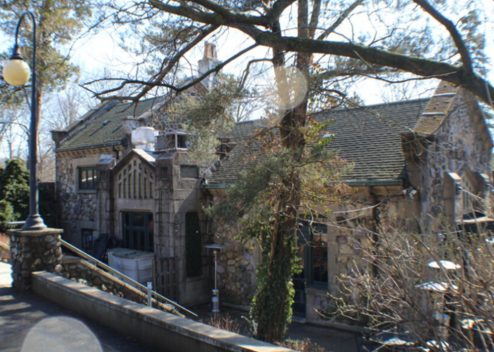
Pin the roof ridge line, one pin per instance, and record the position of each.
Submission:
(352, 108)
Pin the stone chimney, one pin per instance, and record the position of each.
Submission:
(58, 136)
(129, 124)
(208, 62)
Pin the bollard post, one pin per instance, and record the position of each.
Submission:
(150, 294)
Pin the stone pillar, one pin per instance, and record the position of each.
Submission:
(34, 251)
(104, 202)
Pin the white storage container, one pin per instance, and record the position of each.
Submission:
(137, 265)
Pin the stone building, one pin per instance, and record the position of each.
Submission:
(415, 163)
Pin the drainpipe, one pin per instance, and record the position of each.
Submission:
(375, 226)
(115, 150)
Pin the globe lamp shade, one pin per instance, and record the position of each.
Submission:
(16, 72)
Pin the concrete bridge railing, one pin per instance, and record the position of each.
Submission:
(151, 327)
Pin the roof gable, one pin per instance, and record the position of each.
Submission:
(135, 153)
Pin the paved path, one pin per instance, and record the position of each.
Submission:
(21, 311)
(5, 275)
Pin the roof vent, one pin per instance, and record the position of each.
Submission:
(144, 138)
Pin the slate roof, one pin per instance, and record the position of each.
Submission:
(368, 137)
(103, 126)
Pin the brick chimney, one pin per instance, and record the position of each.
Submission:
(208, 62)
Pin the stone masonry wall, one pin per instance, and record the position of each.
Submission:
(236, 272)
(75, 206)
(458, 145)
(33, 251)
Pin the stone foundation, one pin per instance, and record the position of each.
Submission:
(33, 251)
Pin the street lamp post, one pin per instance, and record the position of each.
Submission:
(16, 72)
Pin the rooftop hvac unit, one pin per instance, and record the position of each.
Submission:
(144, 138)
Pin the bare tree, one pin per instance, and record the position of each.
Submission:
(431, 292)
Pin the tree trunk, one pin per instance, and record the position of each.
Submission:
(273, 302)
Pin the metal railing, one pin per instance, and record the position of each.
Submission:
(123, 277)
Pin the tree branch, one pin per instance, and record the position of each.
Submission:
(340, 19)
(220, 14)
(419, 66)
(277, 9)
(316, 11)
(453, 31)
(158, 82)
(459, 75)
(357, 71)
(186, 11)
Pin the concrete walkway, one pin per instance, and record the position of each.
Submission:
(5, 275)
(29, 322)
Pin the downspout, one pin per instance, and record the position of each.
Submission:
(111, 199)
(376, 222)
(111, 194)
(115, 150)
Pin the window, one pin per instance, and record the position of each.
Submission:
(87, 178)
(467, 197)
(318, 259)
(137, 230)
(313, 235)
(189, 171)
(181, 141)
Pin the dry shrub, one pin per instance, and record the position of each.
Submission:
(305, 345)
(225, 322)
(407, 297)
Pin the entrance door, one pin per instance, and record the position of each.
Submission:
(137, 231)
(193, 245)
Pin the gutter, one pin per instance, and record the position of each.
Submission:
(378, 182)
(351, 183)
(89, 147)
(216, 186)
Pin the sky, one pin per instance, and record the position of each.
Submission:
(96, 53)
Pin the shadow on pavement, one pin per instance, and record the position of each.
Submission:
(20, 311)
